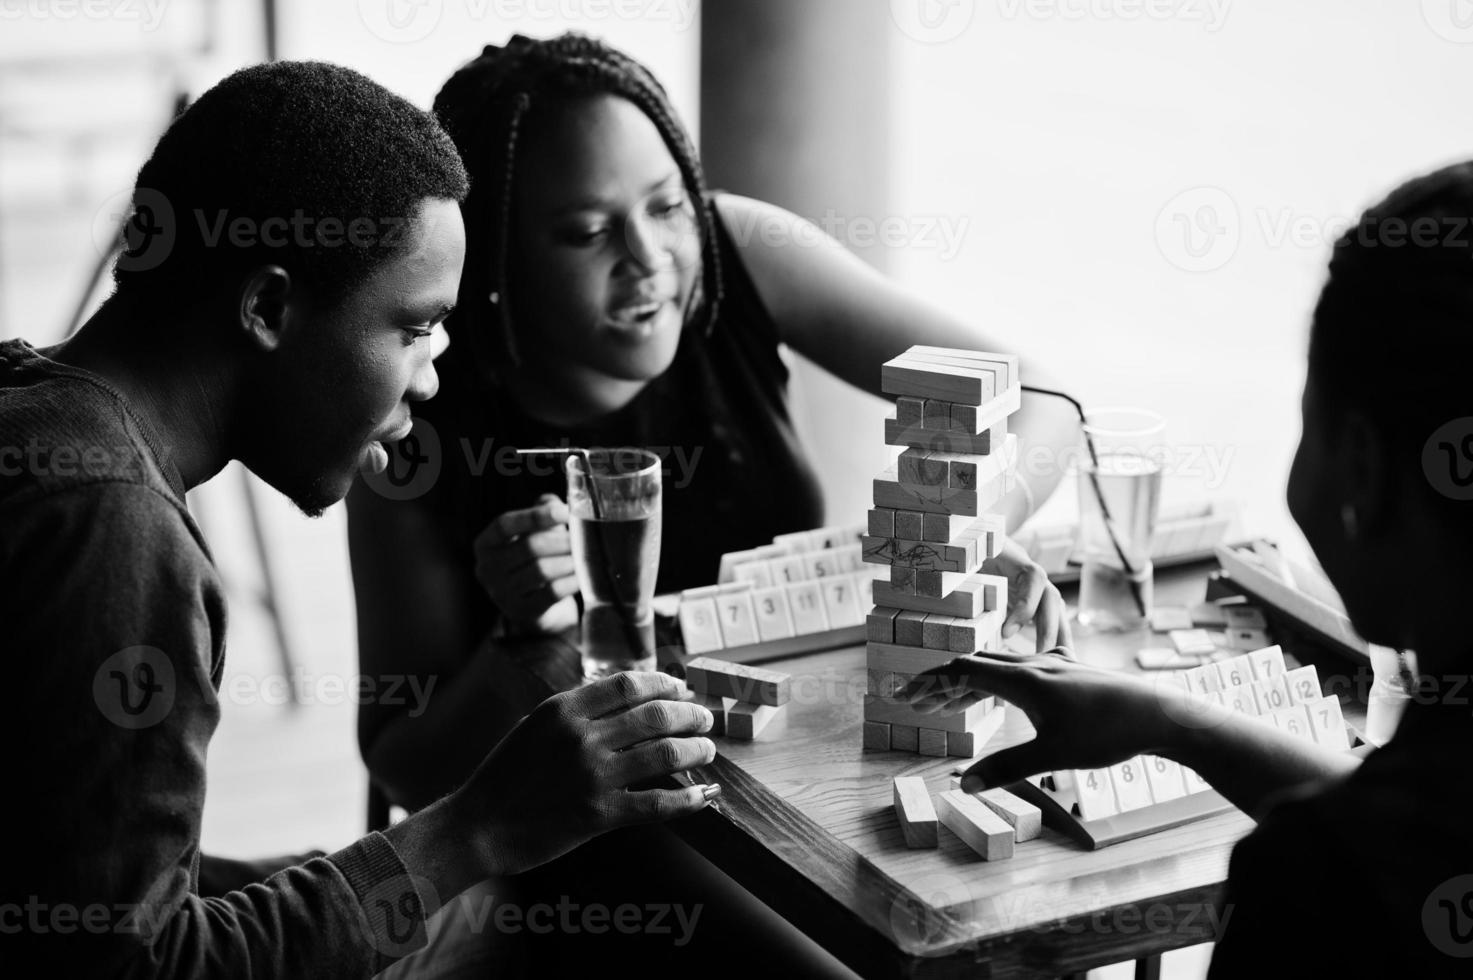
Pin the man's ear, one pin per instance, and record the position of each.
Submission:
(262, 311)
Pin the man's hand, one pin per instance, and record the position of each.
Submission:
(567, 772)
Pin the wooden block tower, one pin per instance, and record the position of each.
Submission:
(931, 528)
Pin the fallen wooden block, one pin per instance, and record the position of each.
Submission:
(746, 720)
(914, 811)
(877, 735)
(1025, 818)
(978, 827)
(753, 685)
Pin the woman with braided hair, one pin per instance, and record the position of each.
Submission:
(607, 300)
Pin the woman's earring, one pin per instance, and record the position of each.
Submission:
(1348, 522)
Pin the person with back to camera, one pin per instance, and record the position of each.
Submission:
(1355, 868)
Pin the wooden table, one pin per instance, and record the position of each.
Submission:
(806, 824)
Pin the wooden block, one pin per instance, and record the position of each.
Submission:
(753, 685)
(1025, 818)
(900, 376)
(1244, 617)
(880, 624)
(908, 466)
(944, 528)
(989, 531)
(976, 635)
(959, 558)
(877, 736)
(1189, 642)
(905, 659)
(890, 492)
(909, 627)
(1164, 619)
(908, 524)
(981, 829)
(903, 579)
(774, 615)
(806, 601)
(882, 522)
(935, 414)
(932, 742)
(978, 593)
(936, 584)
(936, 632)
(1004, 365)
(900, 713)
(698, 625)
(717, 707)
(969, 743)
(914, 811)
(910, 410)
(905, 738)
(951, 440)
(746, 721)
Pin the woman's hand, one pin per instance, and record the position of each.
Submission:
(524, 561)
(567, 772)
(1031, 598)
(1086, 717)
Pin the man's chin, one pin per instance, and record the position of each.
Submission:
(316, 499)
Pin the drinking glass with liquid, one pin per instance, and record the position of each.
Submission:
(1119, 498)
(614, 498)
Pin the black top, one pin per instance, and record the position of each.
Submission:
(1370, 876)
(735, 473)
